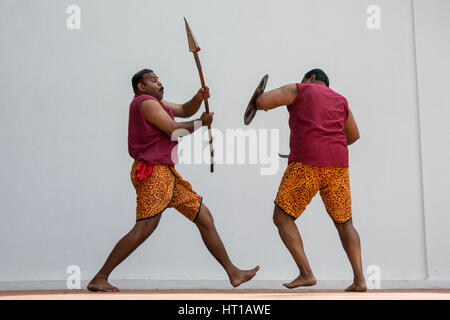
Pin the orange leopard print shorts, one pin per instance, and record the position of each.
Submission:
(301, 182)
(165, 188)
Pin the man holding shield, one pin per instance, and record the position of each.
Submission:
(322, 126)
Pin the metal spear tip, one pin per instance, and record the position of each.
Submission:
(193, 46)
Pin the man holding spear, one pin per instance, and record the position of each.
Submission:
(152, 141)
(158, 185)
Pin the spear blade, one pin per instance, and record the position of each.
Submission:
(193, 45)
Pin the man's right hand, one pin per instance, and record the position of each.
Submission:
(207, 118)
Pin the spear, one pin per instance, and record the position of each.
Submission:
(194, 48)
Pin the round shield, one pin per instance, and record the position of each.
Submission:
(251, 108)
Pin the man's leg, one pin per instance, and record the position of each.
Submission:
(140, 232)
(352, 246)
(205, 224)
(293, 241)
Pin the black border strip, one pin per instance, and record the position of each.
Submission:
(284, 211)
(201, 198)
(345, 221)
(196, 215)
(340, 223)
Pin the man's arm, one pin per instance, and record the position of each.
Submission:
(351, 129)
(278, 97)
(189, 108)
(155, 114)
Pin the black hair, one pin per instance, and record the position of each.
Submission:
(320, 75)
(138, 78)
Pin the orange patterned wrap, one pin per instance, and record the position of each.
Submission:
(301, 182)
(165, 188)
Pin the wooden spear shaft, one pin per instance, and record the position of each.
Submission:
(202, 81)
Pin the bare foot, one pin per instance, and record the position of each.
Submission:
(301, 281)
(357, 286)
(241, 276)
(99, 284)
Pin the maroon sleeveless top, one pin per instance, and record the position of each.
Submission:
(317, 120)
(146, 142)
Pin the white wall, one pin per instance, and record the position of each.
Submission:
(66, 197)
(433, 66)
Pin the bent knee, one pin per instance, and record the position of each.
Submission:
(205, 218)
(280, 218)
(208, 214)
(144, 228)
(344, 226)
(276, 219)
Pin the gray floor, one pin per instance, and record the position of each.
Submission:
(141, 284)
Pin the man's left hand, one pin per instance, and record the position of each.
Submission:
(202, 94)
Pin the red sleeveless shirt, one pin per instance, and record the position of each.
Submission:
(147, 143)
(317, 120)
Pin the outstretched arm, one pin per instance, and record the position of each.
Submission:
(189, 108)
(282, 96)
(158, 117)
(351, 129)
